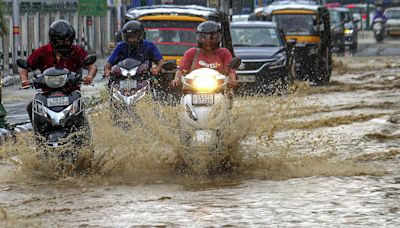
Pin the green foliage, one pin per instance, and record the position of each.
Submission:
(3, 27)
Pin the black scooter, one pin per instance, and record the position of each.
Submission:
(58, 116)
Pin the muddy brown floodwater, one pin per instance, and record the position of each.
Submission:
(323, 156)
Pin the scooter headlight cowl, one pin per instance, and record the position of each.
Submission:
(53, 81)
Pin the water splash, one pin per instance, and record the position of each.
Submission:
(264, 140)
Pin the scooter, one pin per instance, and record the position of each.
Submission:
(205, 107)
(129, 82)
(379, 29)
(59, 120)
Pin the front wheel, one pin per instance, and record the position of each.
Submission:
(354, 47)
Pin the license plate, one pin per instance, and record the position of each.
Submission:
(128, 84)
(202, 99)
(57, 101)
(246, 78)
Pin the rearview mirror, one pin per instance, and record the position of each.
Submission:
(22, 63)
(235, 63)
(89, 60)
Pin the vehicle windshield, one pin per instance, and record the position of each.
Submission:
(345, 16)
(295, 24)
(334, 17)
(395, 14)
(172, 38)
(255, 37)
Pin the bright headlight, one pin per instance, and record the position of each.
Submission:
(348, 31)
(129, 73)
(205, 83)
(55, 81)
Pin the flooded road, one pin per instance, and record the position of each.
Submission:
(323, 156)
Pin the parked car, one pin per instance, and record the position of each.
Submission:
(393, 23)
(344, 28)
(267, 63)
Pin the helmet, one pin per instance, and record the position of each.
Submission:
(133, 33)
(208, 35)
(61, 35)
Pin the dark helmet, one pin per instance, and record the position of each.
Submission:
(379, 9)
(61, 35)
(133, 29)
(208, 35)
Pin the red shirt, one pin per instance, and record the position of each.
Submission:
(218, 61)
(44, 57)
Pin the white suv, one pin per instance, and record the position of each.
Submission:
(393, 23)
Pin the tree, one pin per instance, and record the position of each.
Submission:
(3, 27)
(3, 31)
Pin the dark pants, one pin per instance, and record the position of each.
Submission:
(29, 110)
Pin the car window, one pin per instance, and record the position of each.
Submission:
(240, 18)
(395, 14)
(255, 36)
(334, 17)
(171, 37)
(296, 24)
(345, 16)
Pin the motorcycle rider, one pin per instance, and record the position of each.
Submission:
(59, 52)
(135, 46)
(379, 14)
(207, 54)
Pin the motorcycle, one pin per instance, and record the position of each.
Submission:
(129, 82)
(205, 107)
(379, 29)
(58, 120)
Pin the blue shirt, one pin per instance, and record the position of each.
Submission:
(145, 51)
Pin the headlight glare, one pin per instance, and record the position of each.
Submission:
(348, 31)
(205, 83)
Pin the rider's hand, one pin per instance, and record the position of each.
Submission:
(87, 80)
(232, 83)
(25, 84)
(154, 71)
(176, 82)
(107, 73)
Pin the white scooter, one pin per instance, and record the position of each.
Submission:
(378, 28)
(205, 107)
